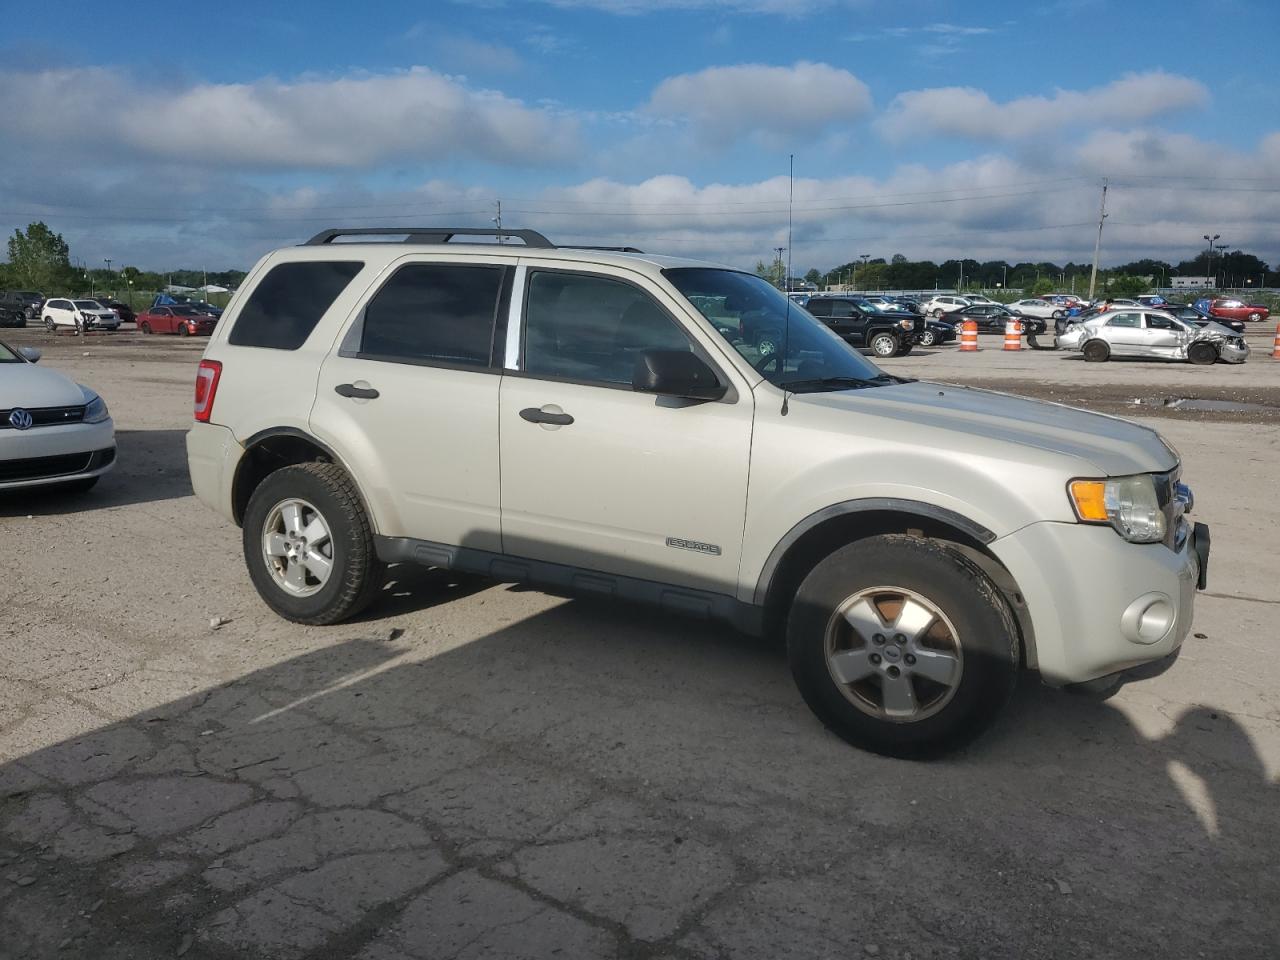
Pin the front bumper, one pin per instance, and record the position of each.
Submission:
(1098, 604)
(46, 455)
(1233, 354)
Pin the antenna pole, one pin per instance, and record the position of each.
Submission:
(1097, 246)
(498, 219)
(791, 197)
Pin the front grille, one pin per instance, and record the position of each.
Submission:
(44, 468)
(45, 416)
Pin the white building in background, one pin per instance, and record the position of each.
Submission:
(1195, 283)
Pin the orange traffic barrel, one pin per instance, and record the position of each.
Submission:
(1013, 335)
(1275, 344)
(969, 336)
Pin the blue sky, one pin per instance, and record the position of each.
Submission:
(927, 128)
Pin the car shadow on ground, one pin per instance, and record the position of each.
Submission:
(151, 465)
(602, 781)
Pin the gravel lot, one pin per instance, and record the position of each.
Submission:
(478, 770)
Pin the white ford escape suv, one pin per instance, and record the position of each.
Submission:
(600, 421)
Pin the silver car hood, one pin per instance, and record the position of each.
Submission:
(26, 385)
(947, 416)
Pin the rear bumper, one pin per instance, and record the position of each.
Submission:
(212, 458)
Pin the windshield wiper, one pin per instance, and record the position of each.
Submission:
(818, 384)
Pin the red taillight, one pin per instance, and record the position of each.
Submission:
(206, 386)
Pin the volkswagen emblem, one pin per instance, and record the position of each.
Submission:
(19, 419)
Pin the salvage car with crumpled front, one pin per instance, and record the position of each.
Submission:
(1155, 335)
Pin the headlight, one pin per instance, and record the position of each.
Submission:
(907, 324)
(95, 410)
(1129, 504)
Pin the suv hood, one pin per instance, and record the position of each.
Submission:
(26, 385)
(947, 416)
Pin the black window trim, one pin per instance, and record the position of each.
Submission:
(349, 345)
(731, 395)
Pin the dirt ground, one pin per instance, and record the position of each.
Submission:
(482, 771)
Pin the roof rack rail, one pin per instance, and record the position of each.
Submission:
(578, 246)
(531, 238)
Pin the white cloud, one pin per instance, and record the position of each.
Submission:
(724, 104)
(324, 123)
(969, 112)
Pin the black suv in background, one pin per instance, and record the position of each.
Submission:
(885, 334)
(18, 306)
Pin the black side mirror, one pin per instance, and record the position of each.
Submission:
(676, 373)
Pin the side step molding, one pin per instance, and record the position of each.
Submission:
(557, 577)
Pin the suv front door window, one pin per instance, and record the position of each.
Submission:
(593, 468)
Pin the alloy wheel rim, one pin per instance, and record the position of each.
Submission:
(297, 547)
(884, 347)
(893, 654)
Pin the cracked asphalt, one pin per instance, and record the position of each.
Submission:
(477, 770)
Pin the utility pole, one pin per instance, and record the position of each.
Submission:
(777, 266)
(1097, 247)
(107, 261)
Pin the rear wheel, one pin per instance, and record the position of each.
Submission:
(902, 646)
(146, 327)
(1095, 351)
(883, 344)
(1202, 354)
(928, 338)
(308, 545)
(1059, 314)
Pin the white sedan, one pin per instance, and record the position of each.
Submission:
(53, 431)
(80, 315)
(1035, 307)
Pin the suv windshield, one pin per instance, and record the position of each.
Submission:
(776, 336)
(88, 305)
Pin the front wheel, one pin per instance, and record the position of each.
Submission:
(902, 646)
(928, 338)
(183, 330)
(1095, 351)
(146, 327)
(905, 349)
(1255, 317)
(884, 344)
(308, 545)
(1202, 354)
(1059, 314)
(49, 324)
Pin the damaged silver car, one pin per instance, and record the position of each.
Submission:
(1153, 334)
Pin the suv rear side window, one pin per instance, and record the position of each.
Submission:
(434, 313)
(591, 329)
(289, 301)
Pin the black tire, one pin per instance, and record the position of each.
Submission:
(49, 324)
(1202, 354)
(883, 344)
(928, 338)
(357, 573)
(1059, 314)
(983, 625)
(1096, 351)
(905, 349)
(183, 330)
(146, 327)
(937, 312)
(1254, 317)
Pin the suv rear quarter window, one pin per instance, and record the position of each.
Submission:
(289, 301)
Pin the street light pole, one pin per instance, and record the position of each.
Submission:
(864, 257)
